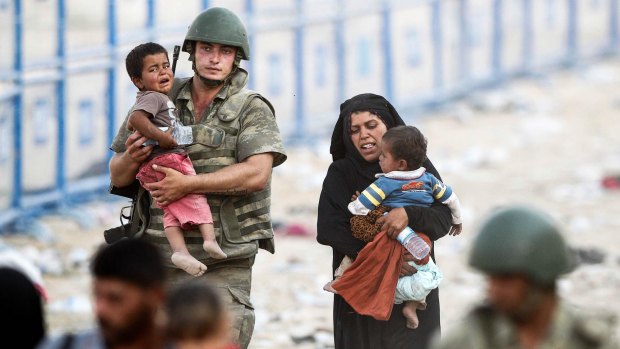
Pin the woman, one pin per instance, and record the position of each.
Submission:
(355, 149)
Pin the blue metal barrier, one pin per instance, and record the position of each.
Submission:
(437, 51)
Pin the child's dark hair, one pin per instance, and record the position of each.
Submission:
(406, 143)
(134, 261)
(194, 310)
(135, 58)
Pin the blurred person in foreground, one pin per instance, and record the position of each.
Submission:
(236, 143)
(523, 254)
(22, 323)
(128, 291)
(197, 317)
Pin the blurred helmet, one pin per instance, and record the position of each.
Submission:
(518, 239)
(220, 26)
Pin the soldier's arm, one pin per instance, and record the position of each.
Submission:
(250, 175)
(124, 166)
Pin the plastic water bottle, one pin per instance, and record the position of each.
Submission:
(414, 243)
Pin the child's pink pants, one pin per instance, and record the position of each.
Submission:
(189, 210)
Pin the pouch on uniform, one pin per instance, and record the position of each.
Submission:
(135, 222)
(208, 136)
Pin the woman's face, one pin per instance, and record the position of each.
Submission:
(366, 133)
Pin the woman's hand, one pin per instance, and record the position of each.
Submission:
(134, 148)
(171, 188)
(405, 268)
(394, 221)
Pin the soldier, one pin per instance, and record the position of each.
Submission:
(236, 145)
(523, 254)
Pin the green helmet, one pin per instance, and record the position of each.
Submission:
(518, 239)
(220, 26)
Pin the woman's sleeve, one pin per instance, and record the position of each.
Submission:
(434, 221)
(333, 227)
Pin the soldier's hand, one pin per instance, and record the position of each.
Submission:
(169, 189)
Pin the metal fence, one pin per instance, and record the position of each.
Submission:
(64, 90)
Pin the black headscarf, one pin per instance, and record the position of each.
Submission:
(341, 145)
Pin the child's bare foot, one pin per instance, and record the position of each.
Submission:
(188, 263)
(409, 311)
(329, 288)
(213, 249)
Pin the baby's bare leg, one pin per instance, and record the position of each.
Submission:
(210, 244)
(180, 256)
(409, 311)
(344, 265)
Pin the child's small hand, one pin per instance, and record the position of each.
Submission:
(455, 229)
(168, 141)
(355, 196)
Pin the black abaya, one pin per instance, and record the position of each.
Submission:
(349, 173)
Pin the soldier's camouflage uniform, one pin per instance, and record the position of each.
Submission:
(239, 123)
(570, 329)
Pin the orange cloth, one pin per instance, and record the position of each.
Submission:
(369, 284)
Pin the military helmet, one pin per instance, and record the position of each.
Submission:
(220, 26)
(518, 239)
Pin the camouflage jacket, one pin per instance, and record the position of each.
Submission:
(239, 123)
(484, 328)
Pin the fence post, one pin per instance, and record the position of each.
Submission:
(613, 24)
(112, 40)
(571, 40)
(387, 50)
(528, 34)
(464, 33)
(298, 133)
(151, 19)
(340, 52)
(61, 171)
(18, 100)
(496, 55)
(437, 45)
(249, 10)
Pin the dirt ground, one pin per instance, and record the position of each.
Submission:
(546, 141)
